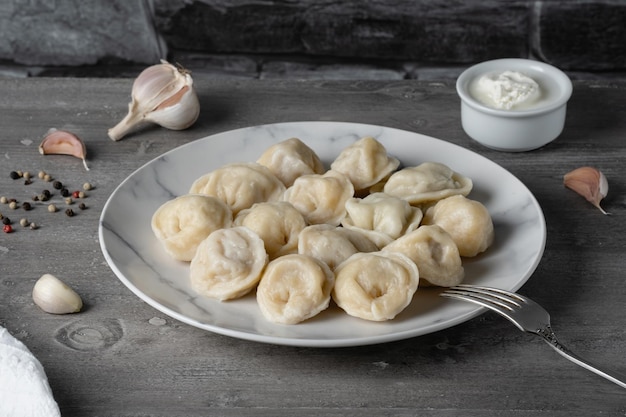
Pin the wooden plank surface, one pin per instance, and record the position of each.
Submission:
(121, 357)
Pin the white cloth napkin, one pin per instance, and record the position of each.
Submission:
(24, 389)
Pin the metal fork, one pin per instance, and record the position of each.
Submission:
(528, 316)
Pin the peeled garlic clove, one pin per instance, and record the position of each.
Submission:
(161, 94)
(62, 142)
(590, 183)
(53, 296)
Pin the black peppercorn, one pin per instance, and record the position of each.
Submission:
(6, 220)
(65, 192)
(69, 212)
(82, 206)
(14, 175)
(26, 205)
(57, 185)
(46, 193)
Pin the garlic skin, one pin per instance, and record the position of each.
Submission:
(162, 94)
(63, 142)
(53, 296)
(590, 183)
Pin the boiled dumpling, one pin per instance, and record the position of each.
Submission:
(382, 217)
(365, 163)
(240, 185)
(333, 245)
(467, 221)
(320, 198)
(278, 223)
(430, 181)
(435, 254)
(182, 223)
(375, 286)
(294, 288)
(228, 263)
(291, 159)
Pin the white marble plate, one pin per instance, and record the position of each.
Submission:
(136, 257)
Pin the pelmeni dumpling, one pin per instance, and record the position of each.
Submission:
(365, 163)
(291, 159)
(430, 181)
(375, 286)
(333, 245)
(467, 221)
(382, 217)
(182, 223)
(320, 198)
(294, 288)
(228, 263)
(240, 185)
(278, 223)
(435, 254)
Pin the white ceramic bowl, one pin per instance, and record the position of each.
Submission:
(516, 130)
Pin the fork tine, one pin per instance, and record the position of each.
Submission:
(506, 296)
(477, 298)
(498, 301)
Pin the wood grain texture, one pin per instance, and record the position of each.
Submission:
(121, 357)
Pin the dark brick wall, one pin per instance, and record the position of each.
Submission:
(586, 35)
(307, 38)
(429, 31)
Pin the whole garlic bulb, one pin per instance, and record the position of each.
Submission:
(161, 94)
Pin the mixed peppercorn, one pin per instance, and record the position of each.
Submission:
(44, 196)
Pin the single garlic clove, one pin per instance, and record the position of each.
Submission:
(590, 183)
(53, 296)
(162, 94)
(62, 142)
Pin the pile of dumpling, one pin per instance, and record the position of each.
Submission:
(365, 232)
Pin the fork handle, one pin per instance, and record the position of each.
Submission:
(612, 376)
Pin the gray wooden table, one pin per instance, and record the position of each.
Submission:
(121, 357)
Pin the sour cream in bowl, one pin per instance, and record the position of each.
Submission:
(513, 104)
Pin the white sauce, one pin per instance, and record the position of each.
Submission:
(508, 90)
